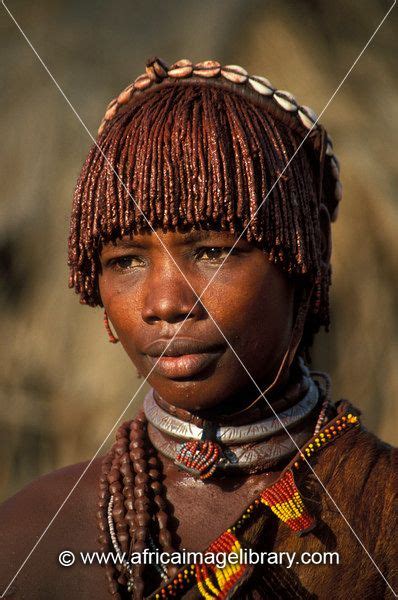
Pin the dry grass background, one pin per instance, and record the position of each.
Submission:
(62, 384)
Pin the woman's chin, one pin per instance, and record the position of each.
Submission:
(193, 396)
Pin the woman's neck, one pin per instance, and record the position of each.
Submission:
(236, 408)
(202, 445)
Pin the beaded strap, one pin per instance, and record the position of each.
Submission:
(299, 116)
(330, 432)
(285, 501)
(225, 578)
(125, 511)
(282, 497)
(131, 499)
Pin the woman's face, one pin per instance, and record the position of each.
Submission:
(150, 286)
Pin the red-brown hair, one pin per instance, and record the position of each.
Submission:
(200, 156)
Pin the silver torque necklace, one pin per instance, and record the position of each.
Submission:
(230, 434)
(242, 457)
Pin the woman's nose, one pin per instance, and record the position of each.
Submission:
(170, 298)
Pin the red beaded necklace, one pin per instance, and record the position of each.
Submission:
(284, 500)
(133, 510)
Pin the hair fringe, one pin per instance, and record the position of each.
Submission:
(196, 156)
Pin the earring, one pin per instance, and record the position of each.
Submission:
(112, 338)
(317, 294)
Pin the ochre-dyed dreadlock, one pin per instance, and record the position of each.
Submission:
(200, 156)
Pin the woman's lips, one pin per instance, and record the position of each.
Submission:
(181, 367)
(181, 357)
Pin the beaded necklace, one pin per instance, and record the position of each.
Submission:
(282, 498)
(133, 508)
(267, 497)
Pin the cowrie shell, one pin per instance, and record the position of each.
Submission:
(234, 73)
(142, 82)
(207, 68)
(125, 95)
(261, 85)
(307, 116)
(111, 112)
(182, 68)
(286, 100)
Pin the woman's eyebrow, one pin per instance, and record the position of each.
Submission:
(130, 243)
(189, 237)
(195, 236)
(204, 234)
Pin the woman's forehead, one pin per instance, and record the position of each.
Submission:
(175, 237)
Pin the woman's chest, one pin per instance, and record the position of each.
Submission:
(200, 511)
(198, 518)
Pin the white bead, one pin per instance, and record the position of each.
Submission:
(335, 167)
(329, 149)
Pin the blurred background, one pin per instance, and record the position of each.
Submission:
(63, 386)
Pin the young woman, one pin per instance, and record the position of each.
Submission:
(201, 224)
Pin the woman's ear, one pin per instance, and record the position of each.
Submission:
(326, 237)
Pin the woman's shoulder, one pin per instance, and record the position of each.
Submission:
(360, 472)
(52, 513)
(360, 456)
(55, 488)
(368, 452)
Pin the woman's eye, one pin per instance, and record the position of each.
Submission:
(123, 263)
(214, 254)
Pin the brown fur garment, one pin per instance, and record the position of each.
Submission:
(360, 473)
